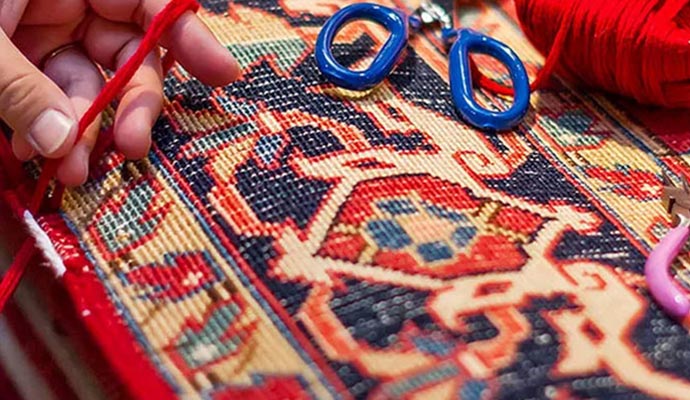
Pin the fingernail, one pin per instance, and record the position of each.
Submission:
(50, 130)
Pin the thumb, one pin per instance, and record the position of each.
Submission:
(32, 105)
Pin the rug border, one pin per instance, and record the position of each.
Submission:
(92, 307)
(108, 331)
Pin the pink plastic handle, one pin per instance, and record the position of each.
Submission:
(665, 290)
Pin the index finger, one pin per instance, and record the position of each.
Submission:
(191, 42)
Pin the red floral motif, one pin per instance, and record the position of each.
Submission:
(181, 275)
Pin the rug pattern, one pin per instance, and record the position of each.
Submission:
(287, 239)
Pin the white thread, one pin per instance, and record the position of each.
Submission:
(45, 245)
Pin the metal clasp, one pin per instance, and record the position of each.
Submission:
(429, 14)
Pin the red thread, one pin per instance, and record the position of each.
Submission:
(553, 55)
(112, 88)
(159, 25)
(14, 274)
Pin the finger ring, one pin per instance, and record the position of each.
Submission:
(55, 53)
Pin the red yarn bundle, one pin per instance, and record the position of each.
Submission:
(636, 48)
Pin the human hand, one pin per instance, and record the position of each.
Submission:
(43, 103)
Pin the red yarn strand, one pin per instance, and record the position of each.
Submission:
(14, 274)
(542, 77)
(112, 88)
(159, 25)
(550, 63)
